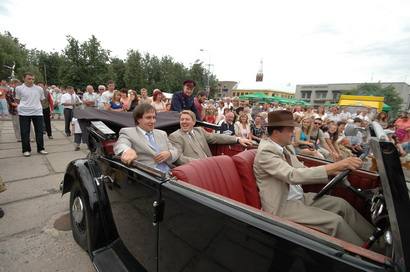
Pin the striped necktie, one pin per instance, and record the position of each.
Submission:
(287, 156)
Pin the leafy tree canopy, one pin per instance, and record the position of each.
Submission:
(83, 63)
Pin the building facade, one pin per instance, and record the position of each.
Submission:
(268, 92)
(225, 88)
(259, 87)
(318, 94)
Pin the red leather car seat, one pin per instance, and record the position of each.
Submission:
(244, 165)
(216, 174)
(108, 146)
(225, 149)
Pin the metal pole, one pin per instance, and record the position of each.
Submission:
(45, 74)
(208, 88)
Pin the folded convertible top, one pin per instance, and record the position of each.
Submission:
(125, 119)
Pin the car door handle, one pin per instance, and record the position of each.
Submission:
(108, 180)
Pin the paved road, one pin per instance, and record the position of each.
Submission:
(32, 203)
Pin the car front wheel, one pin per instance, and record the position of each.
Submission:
(81, 220)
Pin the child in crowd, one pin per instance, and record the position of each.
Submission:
(77, 133)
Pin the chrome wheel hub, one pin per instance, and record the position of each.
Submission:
(77, 210)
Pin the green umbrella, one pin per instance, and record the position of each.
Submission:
(305, 103)
(284, 101)
(254, 96)
(329, 104)
(275, 98)
(301, 102)
(386, 107)
(272, 99)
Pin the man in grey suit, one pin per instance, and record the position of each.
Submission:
(279, 176)
(144, 143)
(192, 143)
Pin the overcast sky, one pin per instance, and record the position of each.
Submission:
(299, 41)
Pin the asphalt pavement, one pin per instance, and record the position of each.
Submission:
(35, 233)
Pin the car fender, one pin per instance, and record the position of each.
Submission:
(88, 173)
(79, 170)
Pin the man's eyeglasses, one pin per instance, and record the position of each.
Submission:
(318, 123)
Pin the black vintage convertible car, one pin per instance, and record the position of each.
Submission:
(206, 216)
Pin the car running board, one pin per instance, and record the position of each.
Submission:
(116, 257)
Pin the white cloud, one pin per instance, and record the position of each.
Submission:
(299, 41)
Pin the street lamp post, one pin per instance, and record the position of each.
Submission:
(208, 87)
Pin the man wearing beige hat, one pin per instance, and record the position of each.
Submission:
(279, 176)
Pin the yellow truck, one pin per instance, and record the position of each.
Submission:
(361, 101)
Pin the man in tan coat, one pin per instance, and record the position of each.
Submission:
(192, 143)
(279, 176)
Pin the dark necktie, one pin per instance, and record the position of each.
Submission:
(287, 156)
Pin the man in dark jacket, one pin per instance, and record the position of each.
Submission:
(184, 100)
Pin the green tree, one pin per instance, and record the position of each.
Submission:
(96, 62)
(172, 75)
(391, 97)
(134, 72)
(31, 65)
(11, 52)
(84, 63)
(71, 70)
(80, 64)
(49, 64)
(117, 72)
(152, 71)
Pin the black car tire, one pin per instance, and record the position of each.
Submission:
(84, 233)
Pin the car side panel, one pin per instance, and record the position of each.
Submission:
(196, 236)
(131, 201)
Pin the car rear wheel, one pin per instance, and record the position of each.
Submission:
(81, 220)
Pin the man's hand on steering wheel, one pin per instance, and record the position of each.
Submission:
(343, 167)
(351, 163)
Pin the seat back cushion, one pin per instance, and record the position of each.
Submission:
(244, 165)
(216, 174)
(108, 146)
(225, 149)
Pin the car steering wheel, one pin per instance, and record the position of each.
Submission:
(338, 178)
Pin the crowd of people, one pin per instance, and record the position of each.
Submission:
(320, 134)
(321, 130)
